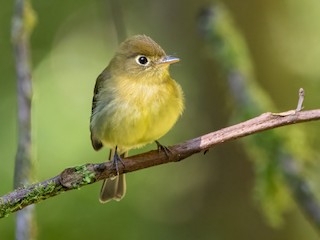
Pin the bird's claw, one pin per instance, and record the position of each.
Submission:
(167, 151)
(116, 160)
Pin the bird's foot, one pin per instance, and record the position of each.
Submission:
(116, 160)
(166, 150)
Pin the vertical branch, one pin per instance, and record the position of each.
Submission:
(22, 24)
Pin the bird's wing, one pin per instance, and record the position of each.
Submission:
(96, 143)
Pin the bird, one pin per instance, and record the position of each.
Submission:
(135, 102)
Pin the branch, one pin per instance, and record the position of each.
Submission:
(76, 177)
(22, 23)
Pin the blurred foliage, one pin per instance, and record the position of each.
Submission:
(266, 149)
(203, 198)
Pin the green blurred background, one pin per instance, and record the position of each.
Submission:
(205, 197)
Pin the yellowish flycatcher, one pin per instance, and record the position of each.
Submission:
(135, 102)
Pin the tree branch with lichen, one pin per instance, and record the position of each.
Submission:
(76, 177)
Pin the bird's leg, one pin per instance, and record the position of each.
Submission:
(116, 160)
(161, 147)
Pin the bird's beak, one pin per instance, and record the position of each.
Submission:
(169, 60)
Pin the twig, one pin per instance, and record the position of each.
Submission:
(22, 24)
(300, 101)
(75, 177)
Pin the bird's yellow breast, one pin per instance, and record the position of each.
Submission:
(137, 112)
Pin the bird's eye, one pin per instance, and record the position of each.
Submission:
(142, 60)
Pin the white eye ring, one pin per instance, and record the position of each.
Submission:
(142, 60)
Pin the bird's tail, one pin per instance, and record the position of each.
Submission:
(113, 188)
